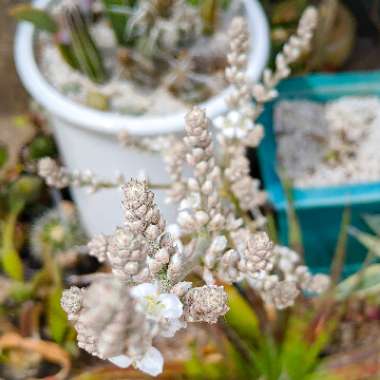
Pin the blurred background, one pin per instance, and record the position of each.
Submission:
(34, 330)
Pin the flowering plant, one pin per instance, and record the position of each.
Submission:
(220, 236)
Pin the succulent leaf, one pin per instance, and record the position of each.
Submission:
(68, 55)
(362, 284)
(38, 17)
(118, 20)
(83, 46)
(209, 13)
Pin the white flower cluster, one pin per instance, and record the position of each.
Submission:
(117, 318)
(241, 124)
(281, 288)
(298, 44)
(147, 296)
(245, 188)
(202, 208)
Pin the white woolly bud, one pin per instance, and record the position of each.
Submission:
(71, 302)
(207, 188)
(205, 304)
(282, 294)
(98, 247)
(186, 220)
(181, 288)
(193, 185)
(152, 232)
(201, 217)
(217, 222)
(53, 174)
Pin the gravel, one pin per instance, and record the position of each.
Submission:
(329, 144)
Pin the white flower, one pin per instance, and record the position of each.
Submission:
(164, 309)
(151, 362)
(234, 124)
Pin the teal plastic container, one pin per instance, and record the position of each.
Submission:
(320, 210)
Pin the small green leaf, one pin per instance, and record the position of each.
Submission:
(83, 46)
(25, 189)
(294, 229)
(118, 20)
(10, 260)
(21, 291)
(57, 319)
(362, 284)
(41, 146)
(209, 15)
(68, 55)
(373, 222)
(38, 17)
(372, 243)
(340, 251)
(3, 155)
(241, 317)
(12, 264)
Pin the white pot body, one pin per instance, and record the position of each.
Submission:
(87, 138)
(81, 149)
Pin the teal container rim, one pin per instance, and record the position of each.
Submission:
(318, 87)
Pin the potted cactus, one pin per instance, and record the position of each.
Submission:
(103, 68)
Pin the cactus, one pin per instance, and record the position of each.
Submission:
(83, 47)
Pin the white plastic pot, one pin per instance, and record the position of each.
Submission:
(87, 138)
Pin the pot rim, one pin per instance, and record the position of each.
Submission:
(109, 122)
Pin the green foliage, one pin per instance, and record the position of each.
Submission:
(197, 368)
(299, 348)
(117, 20)
(340, 251)
(372, 243)
(297, 356)
(10, 260)
(209, 10)
(25, 189)
(39, 18)
(12, 264)
(146, 60)
(58, 324)
(362, 284)
(68, 55)
(3, 155)
(213, 366)
(373, 222)
(41, 146)
(83, 46)
(294, 233)
(241, 317)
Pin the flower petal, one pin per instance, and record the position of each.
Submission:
(122, 361)
(152, 362)
(170, 327)
(173, 307)
(144, 290)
